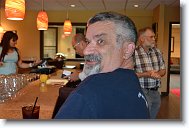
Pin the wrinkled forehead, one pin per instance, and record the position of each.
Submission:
(99, 28)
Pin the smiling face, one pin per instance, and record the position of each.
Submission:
(101, 54)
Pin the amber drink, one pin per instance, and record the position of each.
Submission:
(27, 112)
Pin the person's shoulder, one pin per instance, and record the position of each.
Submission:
(94, 83)
(91, 81)
(117, 73)
(86, 83)
(137, 47)
(16, 49)
(87, 87)
(123, 71)
(157, 50)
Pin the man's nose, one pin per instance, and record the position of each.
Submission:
(90, 49)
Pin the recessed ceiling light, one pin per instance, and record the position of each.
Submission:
(72, 5)
(136, 5)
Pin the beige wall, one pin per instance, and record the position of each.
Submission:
(176, 36)
(163, 15)
(64, 44)
(28, 42)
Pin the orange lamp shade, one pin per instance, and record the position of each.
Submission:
(67, 27)
(15, 9)
(42, 21)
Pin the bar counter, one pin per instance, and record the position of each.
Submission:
(47, 96)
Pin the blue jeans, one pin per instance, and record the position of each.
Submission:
(154, 102)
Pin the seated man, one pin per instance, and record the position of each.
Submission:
(79, 44)
(112, 89)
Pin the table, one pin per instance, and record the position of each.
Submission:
(47, 96)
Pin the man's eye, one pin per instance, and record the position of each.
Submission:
(87, 42)
(100, 42)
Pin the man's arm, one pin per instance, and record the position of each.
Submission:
(162, 72)
(73, 77)
(144, 74)
(152, 74)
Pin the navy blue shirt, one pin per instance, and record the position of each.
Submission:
(112, 95)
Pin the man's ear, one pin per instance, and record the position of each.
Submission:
(129, 49)
(83, 43)
(141, 39)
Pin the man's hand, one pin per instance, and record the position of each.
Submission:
(1, 63)
(73, 77)
(37, 62)
(154, 74)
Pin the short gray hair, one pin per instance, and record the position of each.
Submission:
(125, 27)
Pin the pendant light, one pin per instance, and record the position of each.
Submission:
(67, 25)
(15, 9)
(42, 19)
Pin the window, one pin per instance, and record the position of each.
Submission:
(50, 43)
(53, 41)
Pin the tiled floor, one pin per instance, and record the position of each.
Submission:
(170, 108)
(175, 81)
(171, 105)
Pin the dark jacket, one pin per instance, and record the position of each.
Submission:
(112, 95)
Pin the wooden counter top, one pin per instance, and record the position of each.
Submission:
(47, 96)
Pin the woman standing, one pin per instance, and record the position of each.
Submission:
(10, 55)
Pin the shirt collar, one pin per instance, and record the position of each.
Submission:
(150, 49)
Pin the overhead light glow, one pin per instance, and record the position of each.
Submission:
(72, 5)
(136, 5)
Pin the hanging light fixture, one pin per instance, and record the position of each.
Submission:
(67, 26)
(15, 9)
(42, 19)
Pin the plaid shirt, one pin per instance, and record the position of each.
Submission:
(153, 60)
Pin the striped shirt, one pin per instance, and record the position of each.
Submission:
(146, 61)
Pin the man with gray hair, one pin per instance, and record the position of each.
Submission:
(111, 89)
(149, 67)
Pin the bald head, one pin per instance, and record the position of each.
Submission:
(79, 43)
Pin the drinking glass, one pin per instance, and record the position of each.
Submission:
(43, 78)
(27, 112)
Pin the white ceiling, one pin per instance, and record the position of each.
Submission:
(106, 5)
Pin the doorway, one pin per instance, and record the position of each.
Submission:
(174, 59)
